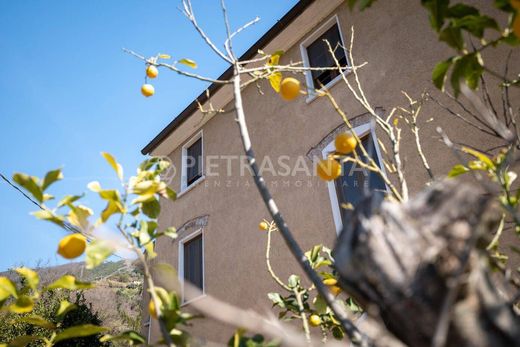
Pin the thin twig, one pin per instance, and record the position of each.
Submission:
(188, 12)
(175, 69)
(351, 330)
(268, 261)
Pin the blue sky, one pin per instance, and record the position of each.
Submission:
(68, 92)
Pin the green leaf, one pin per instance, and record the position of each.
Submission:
(313, 254)
(23, 341)
(453, 37)
(51, 177)
(65, 307)
(170, 193)
(511, 39)
(439, 73)
(457, 170)
(171, 232)
(132, 336)
(48, 216)
(30, 184)
(320, 305)
(353, 306)
(150, 250)
(115, 165)
(69, 282)
(110, 209)
(275, 58)
(78, 216)
(189, 63)
(468, 68)
(504, 5)
(338, 333)
(23, 304)
(97, 251)
(480, 156)
(294, 281)
(475, 24)
(7, 288)
(47, 197)
(477, 165)
(461, 10)
(79, 331)
(437, 9)
(30, 276)
(151, 208)
(276, 299)
(39, 321)
(94, 186)
(275, 79)
(144, 234)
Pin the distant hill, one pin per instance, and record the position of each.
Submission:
(117, 293)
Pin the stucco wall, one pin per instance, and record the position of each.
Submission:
(401, 50)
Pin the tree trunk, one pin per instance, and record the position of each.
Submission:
(418, 268)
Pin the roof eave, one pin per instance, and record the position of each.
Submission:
(287, 19)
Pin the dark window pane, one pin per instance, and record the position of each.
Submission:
(356, 181)
(319, 56)
(193, 261)
(194, 161)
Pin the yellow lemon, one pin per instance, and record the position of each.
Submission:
(151, 71)
(289, 88)
(328, 169)
(345, 143)
(330, 282)
(335, 290)
(147, 90)
(315, 320)
(263, 226)
(152, 310)
(72, 246)
(516, 24)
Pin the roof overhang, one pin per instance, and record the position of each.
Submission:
(303, 16)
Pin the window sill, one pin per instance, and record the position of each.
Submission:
(314, 95)
(191, 186)
(200, 297)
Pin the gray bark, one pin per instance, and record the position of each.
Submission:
(418, 268)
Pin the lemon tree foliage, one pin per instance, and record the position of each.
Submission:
(452, 20)
(133, 207)
(130, 210)
(45, 316)
(300, 302)
(239, 339)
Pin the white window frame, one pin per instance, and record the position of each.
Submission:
(148, 325)
(184, 162)
(180, 271)
(334, 20)
(360, 131)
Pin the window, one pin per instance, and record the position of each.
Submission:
(192, 162)
(191, 260)
(355, 182)
(316, 53)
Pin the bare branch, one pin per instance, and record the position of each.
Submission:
(188, 12)
(175, 69)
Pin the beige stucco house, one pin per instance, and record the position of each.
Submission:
(218, 208)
